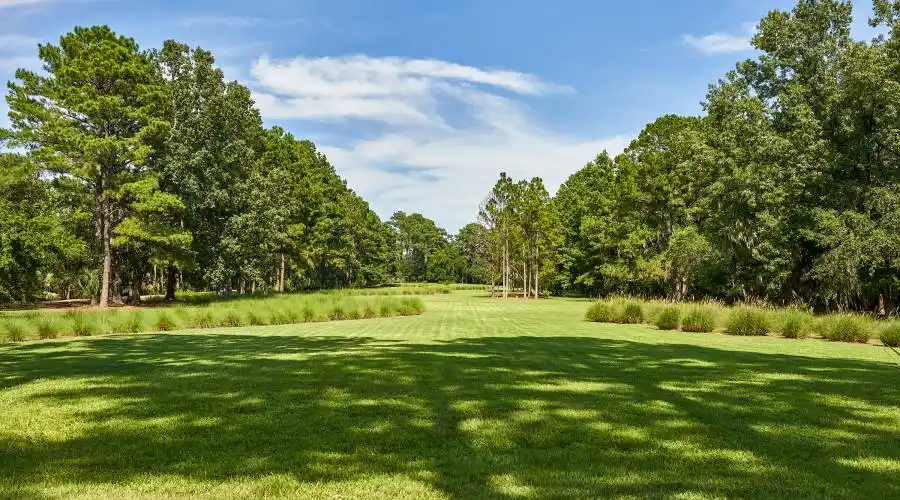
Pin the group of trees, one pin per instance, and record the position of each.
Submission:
(521, 224)
(425, 252)
(126, 169)
(787, 188)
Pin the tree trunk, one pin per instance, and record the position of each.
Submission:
(106, 245)
(281, 276)
(537, 272)
(505, 267)
(170, 282)
(524, 278)
(134, 298)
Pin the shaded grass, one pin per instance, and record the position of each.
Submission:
(475, 399)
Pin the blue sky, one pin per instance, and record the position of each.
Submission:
(420, 104)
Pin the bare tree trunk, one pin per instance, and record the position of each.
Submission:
(170, 283)
(537, 272)
(134, 298)
(281, 276)
(524, 278)
(105, 243)
(505, 268)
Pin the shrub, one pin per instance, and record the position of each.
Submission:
(129, 323)
(309, 314)
(386, 310)
(846, 328)
(47, 328)
(699, 319)
(164, 322)
(83, 325)
(254, 318)
(203, 319)
(748, 322)
(632, 314)
(599, 312)
(354, 313)
(890, 335)
(668, 318)
(337, 313)
(794, 325)
(14, 331)
(369, 312)
(232, 319)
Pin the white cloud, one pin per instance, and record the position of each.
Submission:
(721, 42)
(16, 3)
(444, 131)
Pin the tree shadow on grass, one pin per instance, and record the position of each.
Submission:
(476, 418)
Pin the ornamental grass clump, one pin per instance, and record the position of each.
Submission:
(748, 322)
(699, 319)
(669, 318)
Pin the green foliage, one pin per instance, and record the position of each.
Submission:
(47, 327)
(890, 334)
(599, 312)
(669, 318)
(631, 313)
(846, 328)
(83, 324)
(748, 322)
(165, 322)
(699, 319)
(794, 324)
(14, 330)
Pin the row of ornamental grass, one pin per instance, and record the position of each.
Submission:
(276, 310)
(744, 320)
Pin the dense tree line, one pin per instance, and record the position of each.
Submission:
(787, 188)
(130, 170)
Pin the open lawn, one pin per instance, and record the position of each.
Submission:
(476, 398)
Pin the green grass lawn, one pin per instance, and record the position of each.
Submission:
(477, 398)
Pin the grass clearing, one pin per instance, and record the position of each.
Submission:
(476, 398)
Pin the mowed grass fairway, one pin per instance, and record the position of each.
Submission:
(477, 398)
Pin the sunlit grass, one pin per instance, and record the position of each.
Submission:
(476, 398)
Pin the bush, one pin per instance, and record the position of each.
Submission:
(369, 311)
(47, 328)
(748, 322)
(232, 319)
(83, 325)
(632, 314)
(846, 328)
(669, 319)
(164, 322)
(794, 325)
(309, 314)
(337, 313)
(129, 323)
(255, 319)
(354, 313)
(203, 319)
(699, 319)
(14, 331)
(599, 312)
(386, 310)
(890, 335)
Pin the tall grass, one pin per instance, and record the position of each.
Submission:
(752, 319)
(277, 310)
